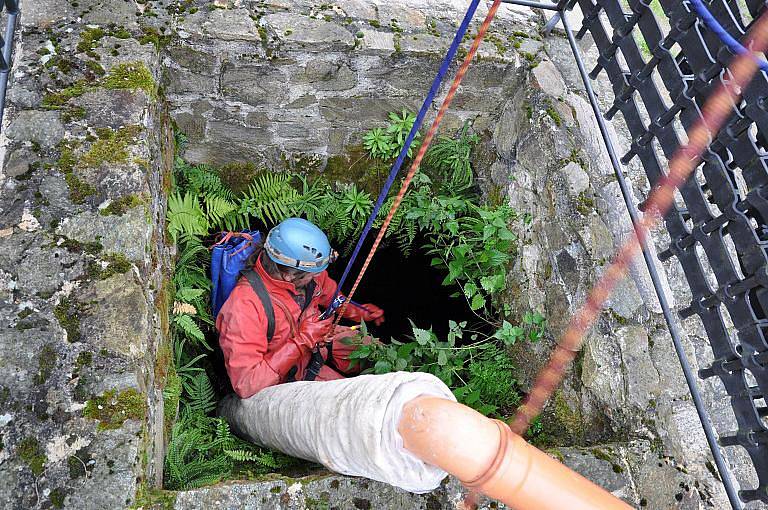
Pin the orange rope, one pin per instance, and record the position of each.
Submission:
(420, 155)
(714, 114)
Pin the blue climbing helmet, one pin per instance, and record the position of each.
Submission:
(299, 244)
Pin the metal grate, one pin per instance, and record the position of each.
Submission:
(728, 204)
(663, 62)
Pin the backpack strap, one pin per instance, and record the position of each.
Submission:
(309, 294)
(258, 287)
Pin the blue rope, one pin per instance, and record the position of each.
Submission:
(404, 151)
(712, 24)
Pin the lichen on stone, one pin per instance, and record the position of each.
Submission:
(112, 408)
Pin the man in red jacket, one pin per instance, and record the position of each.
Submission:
(295, 254)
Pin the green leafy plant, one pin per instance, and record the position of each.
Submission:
(451, 157)
(378, 143)
(386, 143)
(400, 125)
(481, 372)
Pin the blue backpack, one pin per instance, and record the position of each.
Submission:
(229, 258)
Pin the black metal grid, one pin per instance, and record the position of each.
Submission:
(663, 63)
(662, 67)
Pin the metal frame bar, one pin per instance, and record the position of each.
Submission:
(13, 13)
(534, 4)
(690, 379)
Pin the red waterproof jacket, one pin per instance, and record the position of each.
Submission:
(253, 363)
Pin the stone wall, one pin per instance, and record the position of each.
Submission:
(82, 259)
(277, 86)
(87, 149)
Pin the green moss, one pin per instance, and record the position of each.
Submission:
(584, 203)
(57, 497)
(24, 313)
(121, 33)
(495, 195)
(276, 489)
(554, 114)
(374, 23)
(117, 263)
(601, 454)
(95, 68)
(75, 246)
(84, 359)
(73, 113)
(238, 175)
(155, 37)
(321, 503)
(79, 190)
(67, 160)
(131, 76)
(496, 41)
(119, 206)
(566, 424)
(432, 28)
(354, 166)
(528, 110)
(30, 452)
(111, 147)
(46, 362)
(89, 39)
(67, 313)
(56, 100)
(621, 321)
(147, 497)
(556, 453)
(113, 408)
(171, 394)
(64, 66)
(397, 44)
(530, 58)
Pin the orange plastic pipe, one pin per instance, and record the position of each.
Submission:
(485, 455)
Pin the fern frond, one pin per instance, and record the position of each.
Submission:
(189, 327)
(269, 198)
(185, 216)
(217, 210)
(200, 395)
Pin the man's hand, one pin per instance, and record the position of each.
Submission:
(312, 331)
(372, 313)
